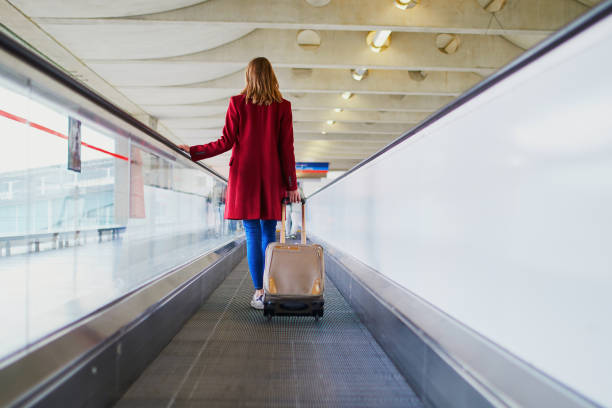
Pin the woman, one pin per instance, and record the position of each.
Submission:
(259, 130)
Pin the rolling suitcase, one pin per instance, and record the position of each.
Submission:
(294, 275)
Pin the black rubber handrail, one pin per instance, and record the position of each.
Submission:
(39, 63)
(574, 28)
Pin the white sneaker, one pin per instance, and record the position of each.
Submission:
(257, 302)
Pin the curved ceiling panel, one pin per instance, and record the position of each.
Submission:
(214, 122)
(174, 95)
(186, 111)
(159, 73)
(97, 8)
(201, 134)
(525, 41)
(124, 39)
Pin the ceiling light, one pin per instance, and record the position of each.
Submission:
(338, 110)
(379, 40)
(417, 75)
(323, 132)
(359, 73)
(447, 43)
(331, 122)
(406, 4)
(347, 95)
(308, 39)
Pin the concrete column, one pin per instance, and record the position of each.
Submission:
(121, 194)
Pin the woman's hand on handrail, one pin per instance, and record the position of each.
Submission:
(294, 196)
(184, 148)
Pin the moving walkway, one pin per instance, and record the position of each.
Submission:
(485, 284)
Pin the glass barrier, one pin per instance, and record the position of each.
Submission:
(71, 242)
(497, 213)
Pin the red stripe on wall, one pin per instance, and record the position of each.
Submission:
(47, 130)
(13, 117)
(105, 151)
(53, 132)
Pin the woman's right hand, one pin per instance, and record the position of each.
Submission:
(184, 148)
(294, 196)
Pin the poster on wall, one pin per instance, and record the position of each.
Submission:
(74, 145)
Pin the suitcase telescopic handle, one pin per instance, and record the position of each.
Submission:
(284, 203)
(285, 200)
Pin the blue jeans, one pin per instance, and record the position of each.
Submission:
(259, 233)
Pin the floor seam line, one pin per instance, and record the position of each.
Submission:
(195, 360)
(294, 369)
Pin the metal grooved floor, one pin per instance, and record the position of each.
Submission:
(229, 355)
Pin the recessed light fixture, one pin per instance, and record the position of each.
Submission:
(379, 40)
(331, 122)
(323, 132)
(338, 110)
(359, 73)
(447, 43)
(347, 95)
(308, 39)
(417, 75)
(406, 4)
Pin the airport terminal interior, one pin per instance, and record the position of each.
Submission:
(455, 157)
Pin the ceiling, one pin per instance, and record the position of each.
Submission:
(175, 63)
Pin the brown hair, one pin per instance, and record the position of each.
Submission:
(261, 84)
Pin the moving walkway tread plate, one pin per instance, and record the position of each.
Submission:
(229, 355)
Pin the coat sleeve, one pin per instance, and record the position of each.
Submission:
(225, 142)
(286, 149)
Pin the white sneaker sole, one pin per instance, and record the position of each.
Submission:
(257, 305)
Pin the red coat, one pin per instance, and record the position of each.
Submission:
(262, 166)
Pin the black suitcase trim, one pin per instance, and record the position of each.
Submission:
(293, 306)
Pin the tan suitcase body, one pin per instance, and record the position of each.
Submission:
(294, 276)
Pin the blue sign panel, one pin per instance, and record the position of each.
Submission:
(312, 166)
